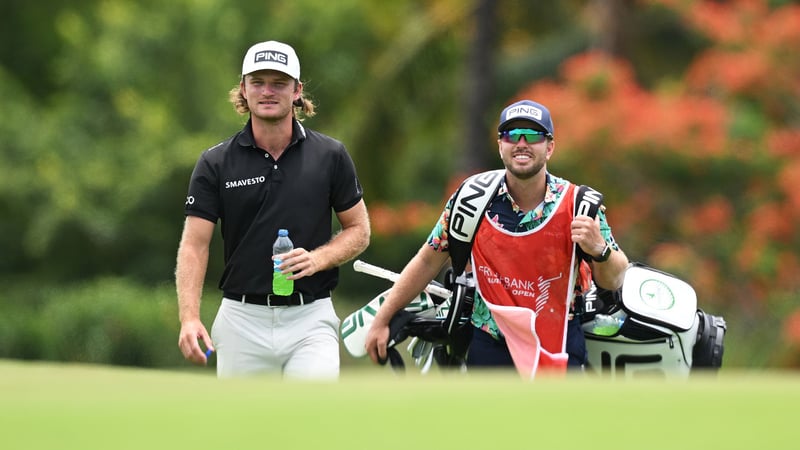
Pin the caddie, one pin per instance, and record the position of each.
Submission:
(524, 257)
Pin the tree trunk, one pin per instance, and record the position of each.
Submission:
(479, 91)
(607, 20)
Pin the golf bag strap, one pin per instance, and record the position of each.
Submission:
(471, 201)
(397, 327)
(587, 202)
(397, 334)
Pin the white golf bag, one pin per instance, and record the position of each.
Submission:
(653, 328)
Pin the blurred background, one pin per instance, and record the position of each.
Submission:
(685, 114)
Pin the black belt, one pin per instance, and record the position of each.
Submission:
(295, 299)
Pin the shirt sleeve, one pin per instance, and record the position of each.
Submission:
(438, 237)
(203, 197)
(347, 190)
(605, 229)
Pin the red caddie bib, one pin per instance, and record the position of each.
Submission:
(527, 281)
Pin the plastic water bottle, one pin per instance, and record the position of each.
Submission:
(605, 325)
(280, 285)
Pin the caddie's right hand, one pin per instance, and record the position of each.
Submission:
(377, 340)
(192, 332)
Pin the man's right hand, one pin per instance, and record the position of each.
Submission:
(422, 268)
(192, 332)
(376, 342)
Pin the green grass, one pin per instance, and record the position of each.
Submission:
(57, 406)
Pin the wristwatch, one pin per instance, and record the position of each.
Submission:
(604, 255)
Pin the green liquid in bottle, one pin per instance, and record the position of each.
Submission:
(280, 285)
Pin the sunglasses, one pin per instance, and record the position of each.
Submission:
(531, 136)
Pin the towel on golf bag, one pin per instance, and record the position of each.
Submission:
(519, 329)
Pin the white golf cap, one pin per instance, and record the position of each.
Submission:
(271, 55)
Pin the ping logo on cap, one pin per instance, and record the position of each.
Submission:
(271, 56)
(524, 111)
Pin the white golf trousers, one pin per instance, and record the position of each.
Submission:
(297, 342)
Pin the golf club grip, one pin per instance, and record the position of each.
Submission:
(380, 272)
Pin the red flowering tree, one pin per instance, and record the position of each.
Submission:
(702, 174)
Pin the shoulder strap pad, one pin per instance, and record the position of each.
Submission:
(587, 203)
(471, 201)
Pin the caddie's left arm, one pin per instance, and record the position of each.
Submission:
(344, 246)
(608, 261)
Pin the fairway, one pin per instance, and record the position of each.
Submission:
(53, 406)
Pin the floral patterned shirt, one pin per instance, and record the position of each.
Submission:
(505, 212)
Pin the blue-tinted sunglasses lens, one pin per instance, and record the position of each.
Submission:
(531, 136)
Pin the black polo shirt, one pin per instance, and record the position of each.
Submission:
(254, 195)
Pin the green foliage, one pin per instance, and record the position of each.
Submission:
(107, 321)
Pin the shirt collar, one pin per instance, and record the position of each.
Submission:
(246, 138)
(550, 195)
